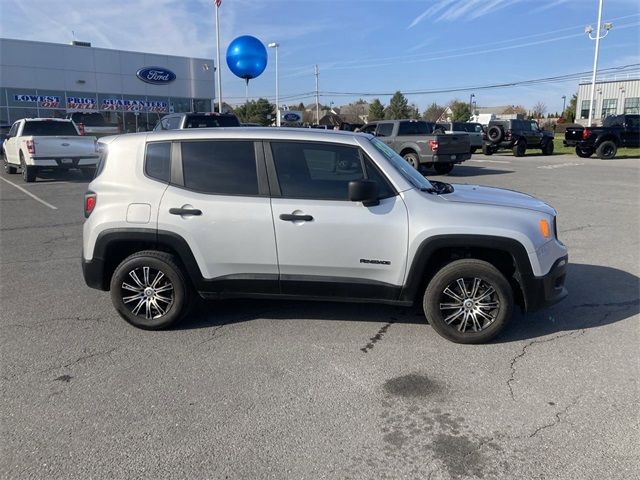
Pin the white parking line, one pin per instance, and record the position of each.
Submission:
(37, 199)
(560, 165)
(489, 161)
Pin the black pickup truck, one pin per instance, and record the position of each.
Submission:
(616, 131)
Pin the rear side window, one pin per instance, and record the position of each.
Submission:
(415, 128)
(384, 129)
(208, 121)
(157, 162)
(49, 128)
(220, 167)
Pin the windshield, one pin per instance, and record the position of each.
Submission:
(400, 164)
(49, 128)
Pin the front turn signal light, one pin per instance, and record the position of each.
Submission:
(544, 228)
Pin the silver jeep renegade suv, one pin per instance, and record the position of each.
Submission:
(306, 214)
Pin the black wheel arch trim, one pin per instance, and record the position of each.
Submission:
(426, 250)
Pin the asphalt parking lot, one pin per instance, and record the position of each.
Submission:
(278, 389)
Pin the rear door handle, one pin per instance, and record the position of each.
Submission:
(185, 211)
(289, 217)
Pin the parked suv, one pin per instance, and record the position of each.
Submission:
(517, 135)
(178, 121)
(305, 214)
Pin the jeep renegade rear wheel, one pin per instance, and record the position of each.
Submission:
(149, 290)
(468, 301)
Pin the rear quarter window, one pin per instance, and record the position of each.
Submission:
(157, 161)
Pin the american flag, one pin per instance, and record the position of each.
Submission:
(218, 3)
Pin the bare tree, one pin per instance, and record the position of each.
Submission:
(539, 109)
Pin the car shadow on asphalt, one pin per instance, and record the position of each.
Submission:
(467, 171)
(598, 296)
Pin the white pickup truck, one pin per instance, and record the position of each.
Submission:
(35, 144)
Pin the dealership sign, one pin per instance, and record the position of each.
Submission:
(46, 101)
(156, 75)
(134, 105)
(81, 103)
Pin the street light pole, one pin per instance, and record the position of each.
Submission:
(588, 30)
(564, 104)
(471, 97)
(276, 45)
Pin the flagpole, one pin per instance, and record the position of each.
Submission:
(218, 66)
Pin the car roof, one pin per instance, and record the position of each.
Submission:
(255, 133)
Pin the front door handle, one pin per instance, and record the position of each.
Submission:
(289, 217)
(185, 211)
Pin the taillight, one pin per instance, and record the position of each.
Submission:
(433, 145)
(586, 133)
(507, 135)
(90, 200)
(31, 147)
(80, 128)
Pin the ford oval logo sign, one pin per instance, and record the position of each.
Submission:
(291, 117)
(156, 75)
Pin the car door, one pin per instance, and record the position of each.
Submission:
(11, 145)
(328, 245)
(218, 202)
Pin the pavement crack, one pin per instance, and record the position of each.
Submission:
(81, 359)
(377, 337)
(213, 335)
(49, 321)
(524, 351)
(557, 420)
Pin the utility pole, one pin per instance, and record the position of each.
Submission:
(315, 72)
(564, 105)
(218, 66)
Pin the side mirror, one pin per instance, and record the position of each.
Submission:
(365, 191)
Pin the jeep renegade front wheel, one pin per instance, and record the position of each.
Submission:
(149, 290)
(468, 301)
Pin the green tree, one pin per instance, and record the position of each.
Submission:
(414, 113)
(398, 107)
(376, 110)
(570, 112)
(256, 111)
(433, 112)
(460, 111)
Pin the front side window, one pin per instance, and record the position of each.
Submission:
(609, 106)
(220, 167)
(632, 105)
(322, 171)
(157, 162)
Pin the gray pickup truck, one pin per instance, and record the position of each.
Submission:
(415, 141)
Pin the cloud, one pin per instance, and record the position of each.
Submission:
(450, 10)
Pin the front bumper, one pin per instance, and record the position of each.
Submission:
(540, 292)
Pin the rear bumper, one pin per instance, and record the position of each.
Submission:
(540, 292)
(570, 143)
(93, 273)
(68, 162)
(445, 158)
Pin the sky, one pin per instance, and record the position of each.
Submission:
(360, 46)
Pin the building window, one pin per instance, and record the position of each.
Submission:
(609, 107)
(584, 111)
(632, 105)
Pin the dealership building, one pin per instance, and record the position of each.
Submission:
(130, 89)
(614, 95)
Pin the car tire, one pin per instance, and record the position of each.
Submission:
(140, 297)
(480, 313)
(10, 169)
(584, 152)
(412, 159)
(487, 150)
(443, 168)
(607, 150)
(28, 172)
(88, 172)
(495, 133)
(519, 149)
(547, 148)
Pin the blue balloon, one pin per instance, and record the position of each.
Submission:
(246, 57)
